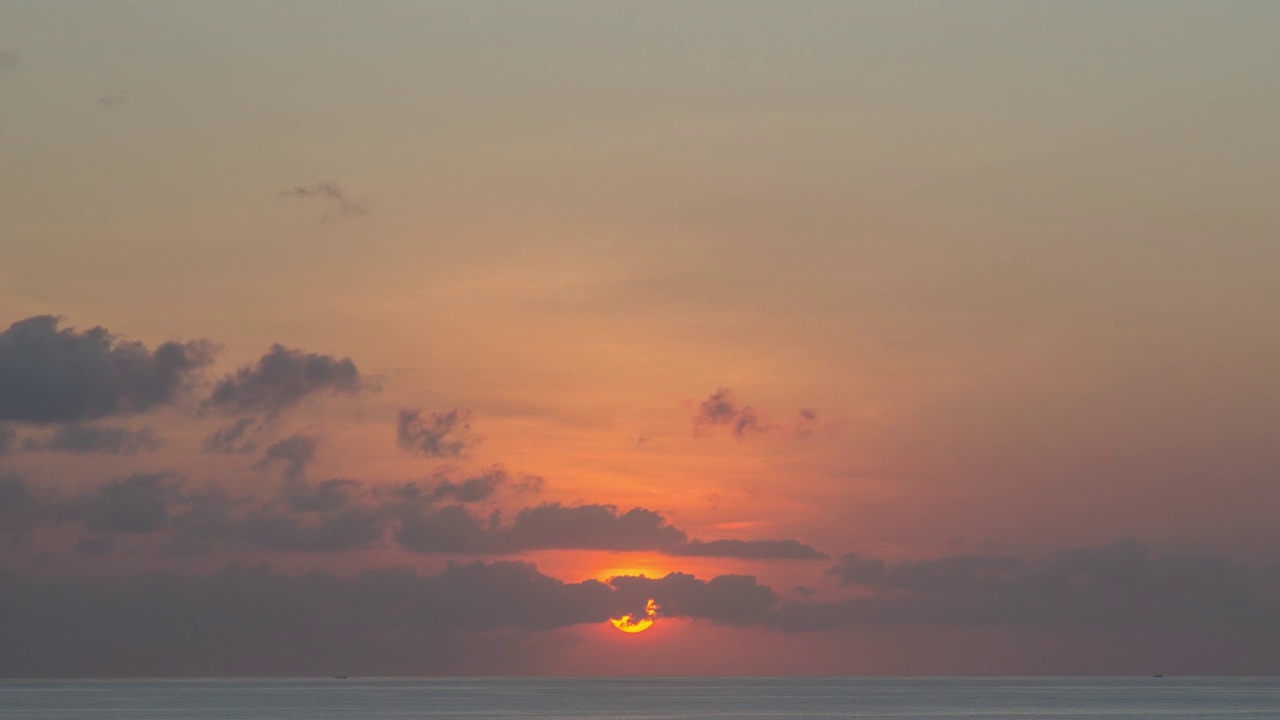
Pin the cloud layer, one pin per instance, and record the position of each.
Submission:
(445, 514)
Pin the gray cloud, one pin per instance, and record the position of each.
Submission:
(336, 515)
(111, 99)
(728, 599)
(253, 620)
(236, 438)
(138, 504)
(348, 528)
(105, 439)
(333, 196)
(1116, 586)
(294, 453)
(52, 375)
(97, 545)
(750, 549)
(450, 484)
(324, 496)
(9, 60)
(440, 435)
(8, 439)
(20, 508)
(283, 378)
(550, 525)
(594, 526)
(720, 410)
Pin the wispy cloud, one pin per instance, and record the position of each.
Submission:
(333, 196)
(721, 410)
(111, 99)
(441, 435)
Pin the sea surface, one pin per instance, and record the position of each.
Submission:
(1171, 698)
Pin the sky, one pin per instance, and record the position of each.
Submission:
(408, 338)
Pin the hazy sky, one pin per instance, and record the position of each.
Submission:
(403, 337)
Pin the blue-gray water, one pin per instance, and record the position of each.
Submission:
(646, 698)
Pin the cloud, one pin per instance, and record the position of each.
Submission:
(448, 484)
(9, 60)
(594, 526)
(8, 439)
(109, 100)
(451, 529)
(294, 453)
(1120, 586)
(20, 507)
(444, 515)
(720, 410)
(324, 496)
(85, 439)
(137, 504)
(347, 528)
(236, 438)
(440, 435)
(727, 599)
(254, 620)
(100, 546)
(283, 378)
(806, 422)
(52, 375)
(749, 549)
(334, 198)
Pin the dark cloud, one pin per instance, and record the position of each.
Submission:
(750, 549)
(9, 60)
(596, 527)
(440, 435)
(727, 599)
(204, 519)
(326, 516)
(1118, 586)
(324, 496)
(720, 410)
(52, 375)
(334, 198)
(100, 545)
(253, 620)
(449, 484)
(349, 528)
(283, 378)
(138, 504)
(444, 515)
(104, 439)
(293, 453)
(450, 529)
(236, 438)
(20, 508)
(8, 439)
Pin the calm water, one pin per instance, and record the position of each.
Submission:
(645, 698)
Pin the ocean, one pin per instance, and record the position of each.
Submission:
(1172, 698)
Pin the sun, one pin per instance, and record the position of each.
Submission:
(628, 625)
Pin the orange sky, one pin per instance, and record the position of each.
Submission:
(945, 287)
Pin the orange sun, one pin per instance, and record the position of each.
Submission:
(628, 625)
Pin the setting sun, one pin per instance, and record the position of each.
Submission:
(627, 625)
